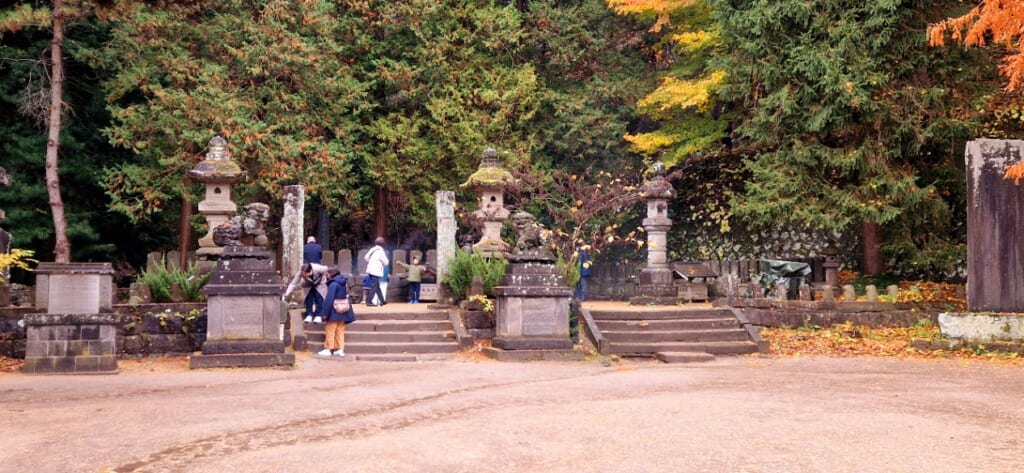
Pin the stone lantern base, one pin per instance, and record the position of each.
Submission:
(532, 313)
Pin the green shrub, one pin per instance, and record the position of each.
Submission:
(160, 278)
(467, 264)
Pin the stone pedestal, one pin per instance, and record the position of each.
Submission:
(71, 343)
(532, 312)
(244, 312)
(74, 288)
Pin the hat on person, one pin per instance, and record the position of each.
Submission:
(311, 239)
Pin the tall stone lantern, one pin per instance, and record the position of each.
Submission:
(489, 183)
(217, 172)
(656, 285)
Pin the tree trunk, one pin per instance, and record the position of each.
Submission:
(185, 227)
(62, 248)
(380, 216)
(871, 238)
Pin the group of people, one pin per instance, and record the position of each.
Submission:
(326, 290)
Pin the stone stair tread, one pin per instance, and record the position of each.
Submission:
(660, 315)
(718, 348)
(387, 357)
(683, 357)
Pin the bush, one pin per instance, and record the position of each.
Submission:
(467, 264)
(160, 278)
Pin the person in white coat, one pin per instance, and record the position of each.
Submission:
(376, 261)
(313, 279)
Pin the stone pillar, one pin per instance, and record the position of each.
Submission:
(244, 312)
(292, 230)
(656, 279)
(445, 204)
(995, 217)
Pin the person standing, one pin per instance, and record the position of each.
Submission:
(583, 256)
(334, 331)
(415, 270)
(312, 252)
(376, 261)
(313, 278)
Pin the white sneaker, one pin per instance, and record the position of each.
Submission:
(308, 319)
(340, 353)
(324, 352)
(317, 319)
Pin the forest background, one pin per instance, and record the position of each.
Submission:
(834, 118)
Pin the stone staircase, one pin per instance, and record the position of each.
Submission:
(392, 335)
(674, 334)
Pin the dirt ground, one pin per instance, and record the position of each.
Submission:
(743, 414)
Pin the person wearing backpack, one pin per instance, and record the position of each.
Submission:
(337, 313)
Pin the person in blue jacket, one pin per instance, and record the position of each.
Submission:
(334, 341)
(583, 255)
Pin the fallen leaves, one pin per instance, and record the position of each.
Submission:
(847, 340)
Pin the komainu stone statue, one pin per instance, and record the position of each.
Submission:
(247, 229)
(529, 233)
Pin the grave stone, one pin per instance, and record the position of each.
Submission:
(893, 291)
(345, 261)
(871, 293)
(849, 293)
(361, 261)
(995, 216)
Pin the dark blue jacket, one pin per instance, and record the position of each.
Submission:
(312, 253)
(584, 258)
(336, 288)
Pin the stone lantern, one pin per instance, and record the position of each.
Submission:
(489, 183)
(656, 284)
(217, 172)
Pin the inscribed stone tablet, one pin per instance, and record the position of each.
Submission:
(74, 294)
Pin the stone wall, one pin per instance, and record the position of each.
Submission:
(70, 343)
(773, 313)
(144, 330)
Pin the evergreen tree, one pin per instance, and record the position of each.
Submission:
(845, 102)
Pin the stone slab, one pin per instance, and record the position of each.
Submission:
(684, 357)
(223, 347)
(532, 355)
(982, 327)
(529, 343)
(242, 360)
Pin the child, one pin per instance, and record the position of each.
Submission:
(415, 278)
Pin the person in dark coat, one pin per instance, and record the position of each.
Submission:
(337, 289)
(312, 252)
(583, 255)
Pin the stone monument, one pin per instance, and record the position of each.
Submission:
(489, 183)
(446, 227)
(217, 172)
(995, 253)
(244, 312)
(531, 301)
(656, 284)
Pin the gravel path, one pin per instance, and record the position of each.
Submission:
(744, 414)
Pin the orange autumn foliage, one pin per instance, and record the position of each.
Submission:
(992, 21)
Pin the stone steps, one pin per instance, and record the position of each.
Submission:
(656, 336)
(674, 334)
(659, 325)
(392, 335)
